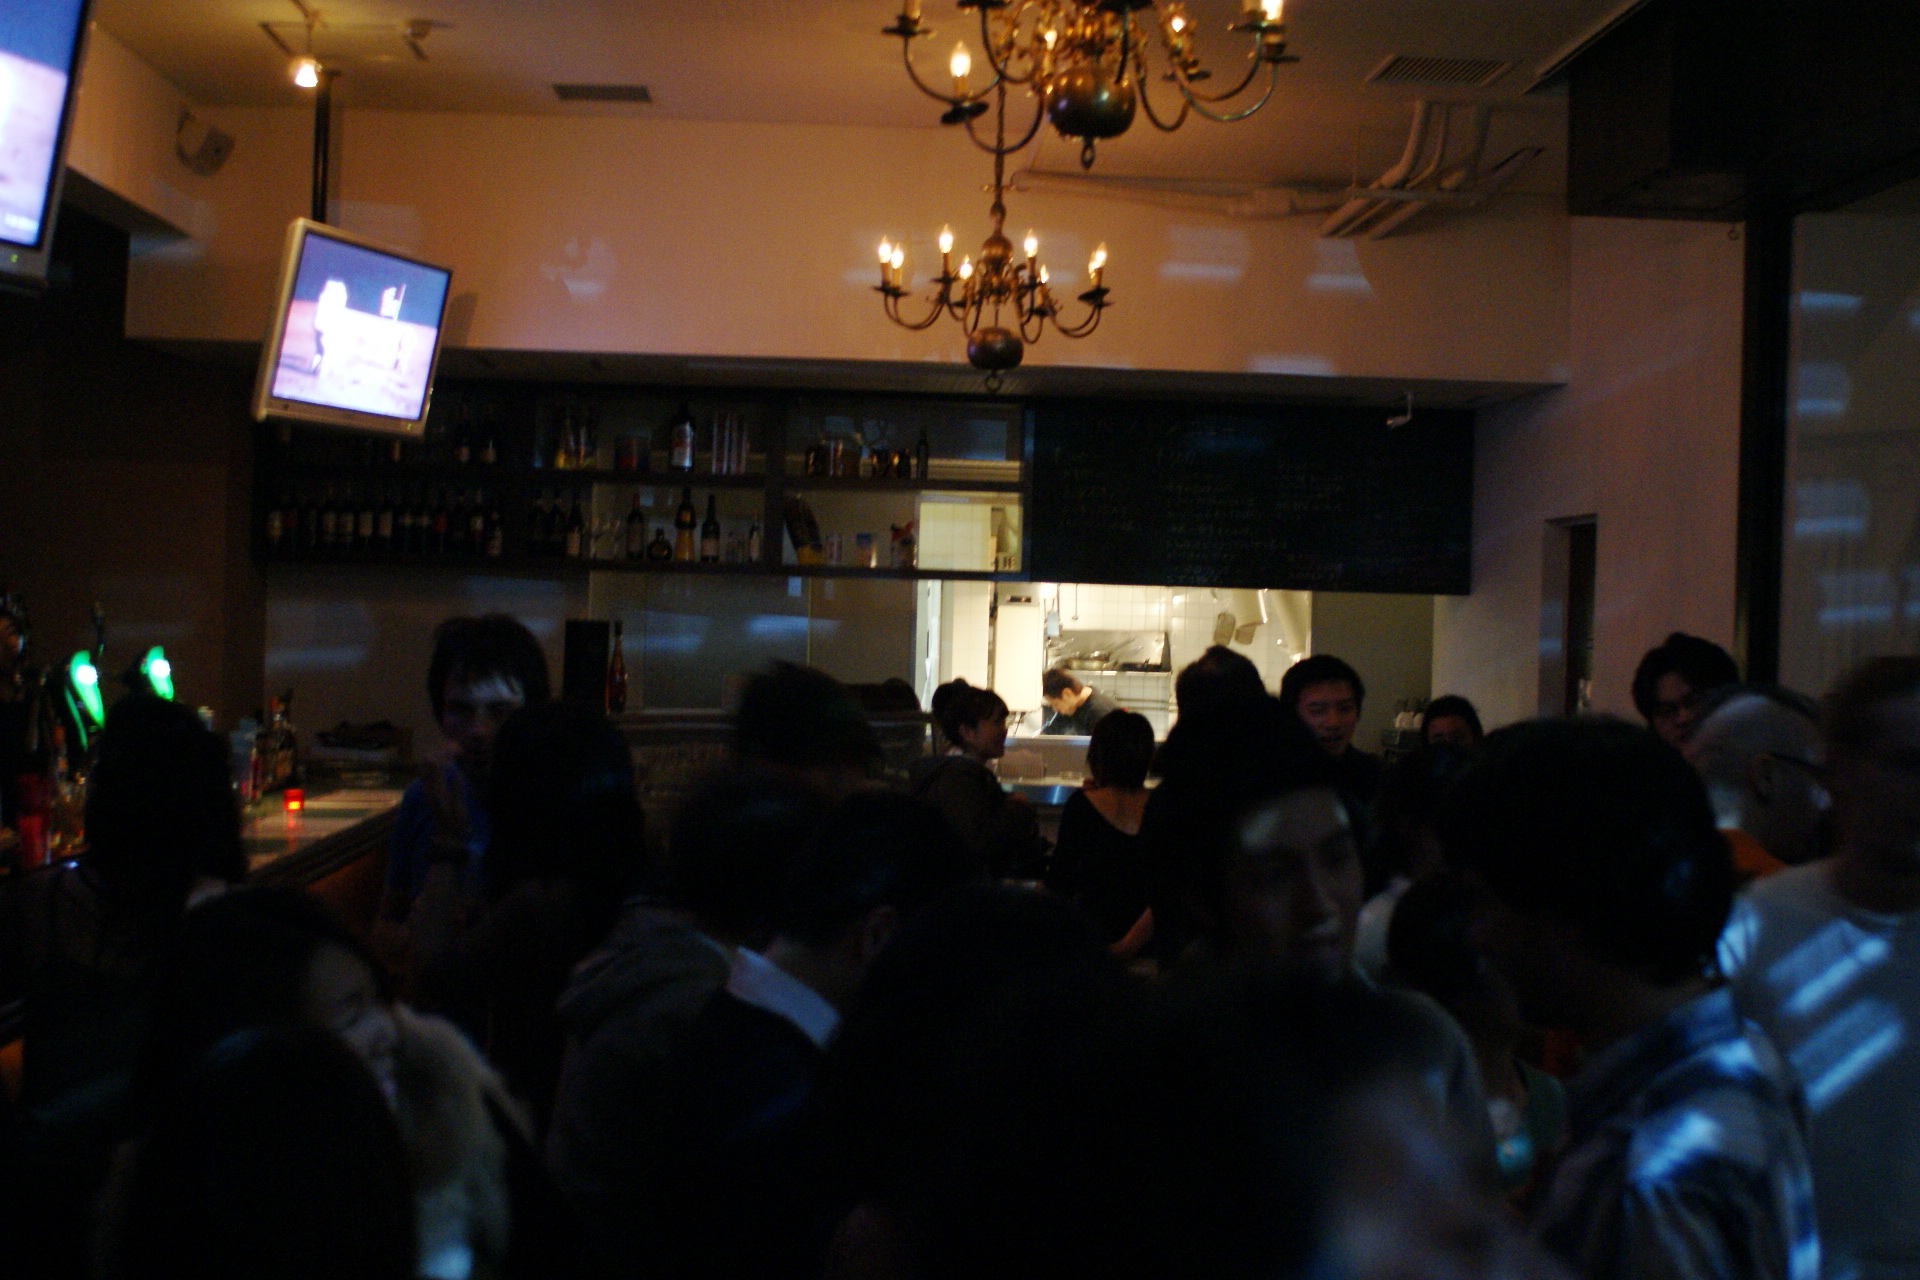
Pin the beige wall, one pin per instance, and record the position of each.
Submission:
(679, 237)
(1389, 640)
(1645, 436)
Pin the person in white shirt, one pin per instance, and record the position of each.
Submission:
(1826, 957)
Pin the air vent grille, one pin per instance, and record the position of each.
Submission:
(602, 93)
(1464, 73)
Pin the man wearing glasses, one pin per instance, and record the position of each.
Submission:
(1826, 958)
(1758, 751)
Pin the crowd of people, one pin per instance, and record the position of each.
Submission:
(1574, 997)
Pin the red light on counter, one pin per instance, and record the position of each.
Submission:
(296, 799)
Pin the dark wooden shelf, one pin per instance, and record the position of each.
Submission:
(645, 479)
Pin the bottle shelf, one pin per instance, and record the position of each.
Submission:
(848, 484)
(526, 566)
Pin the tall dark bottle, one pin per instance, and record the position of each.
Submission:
(680, 434)
(710, 534)
(685, 523)
(616, 675)
(636, 531)
(576, 545)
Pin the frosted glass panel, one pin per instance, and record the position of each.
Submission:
(1851, 586)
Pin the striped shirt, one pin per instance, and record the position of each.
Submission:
(1685, 1157)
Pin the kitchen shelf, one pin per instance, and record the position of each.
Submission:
(673, 567)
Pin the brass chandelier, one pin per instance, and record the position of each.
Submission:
(1087, 65)
(1001, 304)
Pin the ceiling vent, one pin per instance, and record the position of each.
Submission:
(602, 93)
(1457, 73)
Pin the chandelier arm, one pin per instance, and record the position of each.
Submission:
(1153, 117)
(915, 326)
(1085, 327)
(1201, 100)
(999, 147)
(1004, 70)
(952, 100)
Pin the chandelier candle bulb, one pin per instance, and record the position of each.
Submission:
(910, 11)
(1032, 245)
(946, 243)
(966, 268)
(1272, 9)
(960, 64)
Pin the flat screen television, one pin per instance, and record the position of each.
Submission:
(355, 336)
(41, 43)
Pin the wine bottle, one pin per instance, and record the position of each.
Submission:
(616, 675)
(753, 543)
(383, 523)
(680, 437)
(276, 530)
(576, 544)
(710, 534)
(477, 525)
(659, 549)
(685, 522)
(490, 454)
(636, 530)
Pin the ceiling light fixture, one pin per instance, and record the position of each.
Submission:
(1001, 304)
(1086, 63)
(306, 72)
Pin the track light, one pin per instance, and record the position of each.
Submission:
(306, 72)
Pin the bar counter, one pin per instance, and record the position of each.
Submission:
(331, 832)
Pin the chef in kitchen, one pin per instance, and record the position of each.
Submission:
(1076, 707)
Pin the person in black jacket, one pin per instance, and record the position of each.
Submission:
(740, 1197)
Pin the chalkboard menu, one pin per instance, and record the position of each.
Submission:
(1309, 499)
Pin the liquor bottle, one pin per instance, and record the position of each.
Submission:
(422, 523)
(920, 456)
(490, 453)
(616, 675)
(366, 520)
(463, 438)
(680, 439)
(536, 542)
(710, 534)
(576, 546)
(496, 533)
(753, 543)
(329, 520)
(685, 522)
(276, 530)
(383, 522)
(636, 530)
(659, 549)
(626, 454)
(457, 528)
(477, 524)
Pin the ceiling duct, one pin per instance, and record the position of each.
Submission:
(602, 93)
(1226, 199)
(1403, 192)
(1446, 73)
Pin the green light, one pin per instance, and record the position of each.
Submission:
(86, 683)
(158, 671)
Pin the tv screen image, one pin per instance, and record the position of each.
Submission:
(356, 334)
(39, 54)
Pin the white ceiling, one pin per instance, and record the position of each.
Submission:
(825, 62)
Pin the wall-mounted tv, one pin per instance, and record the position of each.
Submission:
(40, 50)
(356, 333)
